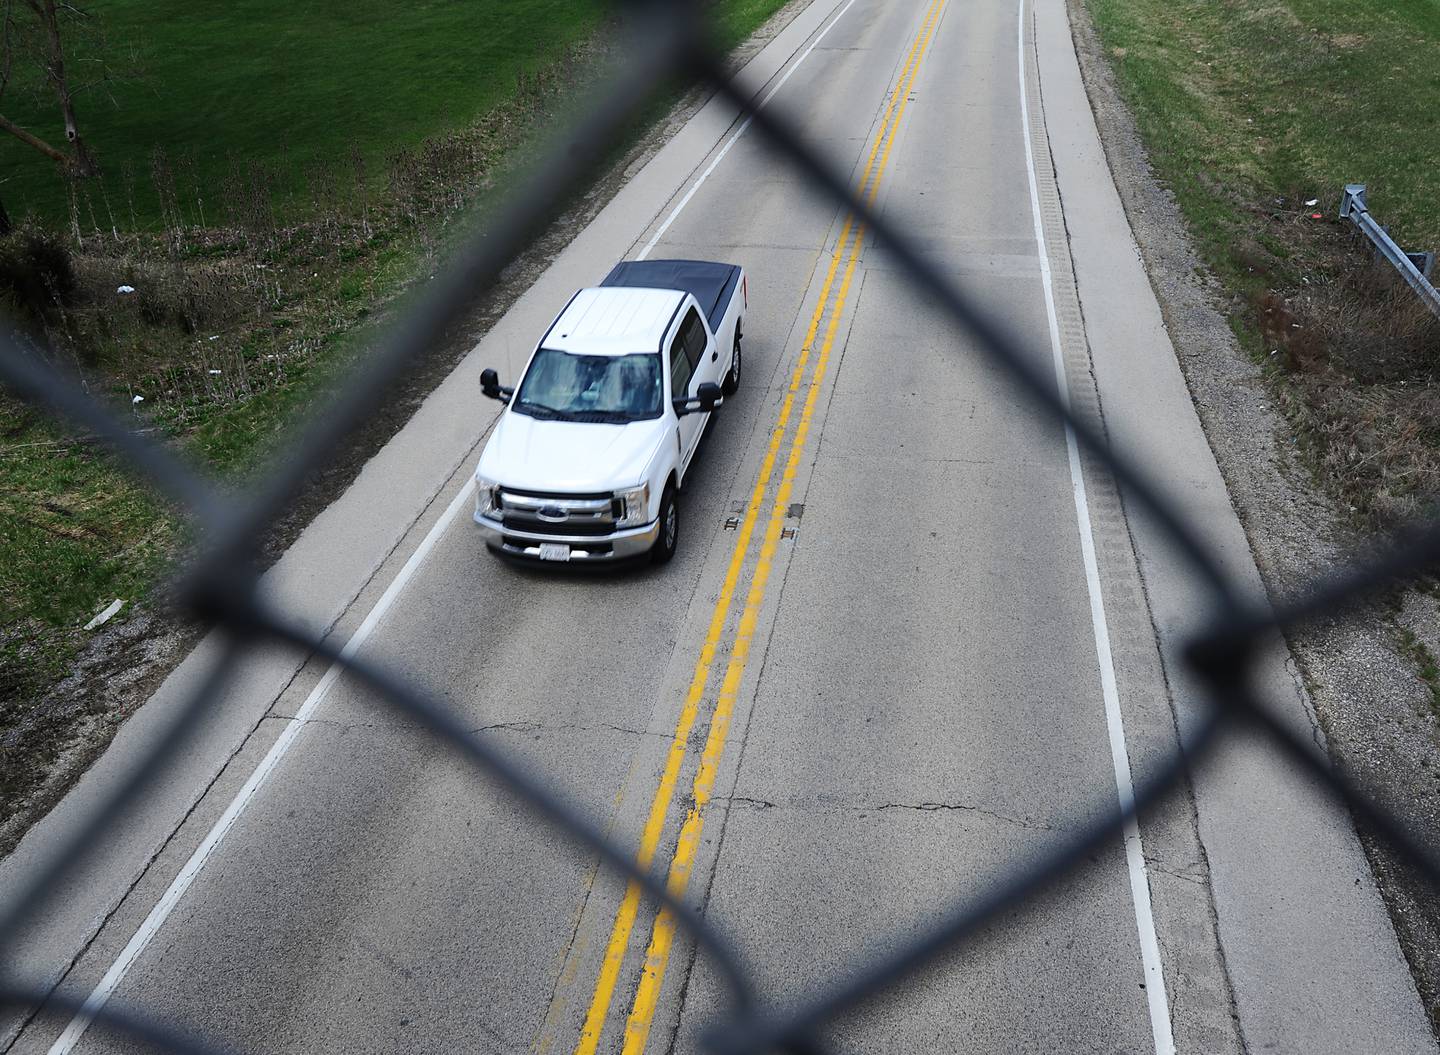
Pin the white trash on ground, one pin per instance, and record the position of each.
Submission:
(107, 614)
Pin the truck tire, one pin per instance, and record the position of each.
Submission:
(669, 521)
(732, 376)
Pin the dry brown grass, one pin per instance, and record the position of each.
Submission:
(1362, 356)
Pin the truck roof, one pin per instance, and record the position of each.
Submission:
(614, 321)
(712, 284)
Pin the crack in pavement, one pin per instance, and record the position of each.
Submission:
(334, 723)
(523, 726)
(933, 807)
(741, 800)
(519, 726)
(758, 804)
(1190, 873)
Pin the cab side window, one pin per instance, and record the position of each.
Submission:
(681, 369)
(692, 331)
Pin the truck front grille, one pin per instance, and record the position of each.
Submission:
(558, 515)
(587, 528)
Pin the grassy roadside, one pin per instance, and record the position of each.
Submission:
(1256, 113)
(231, 334)
(217, 88)
(236, 329)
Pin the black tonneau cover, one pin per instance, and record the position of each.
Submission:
(711, 284)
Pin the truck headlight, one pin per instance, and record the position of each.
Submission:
(637, 506)
(487, 497)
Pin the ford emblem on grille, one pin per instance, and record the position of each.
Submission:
(552, 513)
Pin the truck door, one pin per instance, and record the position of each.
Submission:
(687, 371)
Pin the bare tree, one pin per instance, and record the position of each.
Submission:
(30, 31)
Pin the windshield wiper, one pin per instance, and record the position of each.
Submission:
(540, 410)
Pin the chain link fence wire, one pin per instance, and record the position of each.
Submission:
(666, 42)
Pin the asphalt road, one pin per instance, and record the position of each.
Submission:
(874, 678)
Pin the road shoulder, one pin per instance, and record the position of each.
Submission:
(1309, 949)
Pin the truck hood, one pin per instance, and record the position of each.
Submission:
(535, 455)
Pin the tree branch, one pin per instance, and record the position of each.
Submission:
(7, 44)
(81, 163)
(7, 125)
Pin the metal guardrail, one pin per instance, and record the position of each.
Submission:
(667, 40)
(1414, 268)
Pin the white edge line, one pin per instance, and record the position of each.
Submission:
(107, 985)
(715, 162)
(1124, 785)
(153, 922)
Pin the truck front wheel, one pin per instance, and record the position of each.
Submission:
(669, 523)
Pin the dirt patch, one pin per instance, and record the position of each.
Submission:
(54, 743)
(1362, 667)
(48, 749)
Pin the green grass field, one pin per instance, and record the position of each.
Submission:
(288, 85)
(1243, 101)
(1256, 114)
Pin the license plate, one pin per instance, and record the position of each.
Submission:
(554, 551)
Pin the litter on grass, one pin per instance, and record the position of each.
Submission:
(106, 614)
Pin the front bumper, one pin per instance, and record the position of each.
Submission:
(584, 549)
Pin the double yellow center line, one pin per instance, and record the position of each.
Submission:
(637, 1026)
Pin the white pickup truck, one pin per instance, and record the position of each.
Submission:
(596, 438)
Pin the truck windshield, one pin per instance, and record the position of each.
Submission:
(599, 388)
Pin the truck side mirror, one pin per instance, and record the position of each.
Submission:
(490, 386)
(706, 398)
